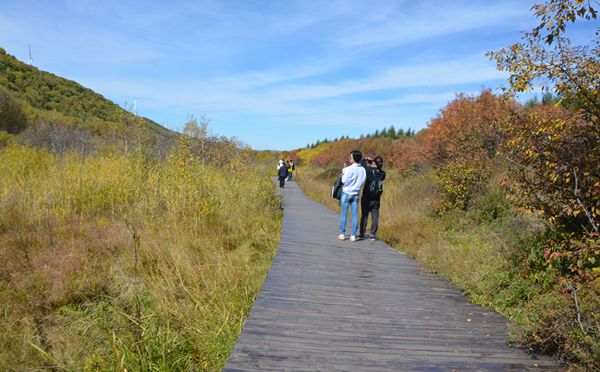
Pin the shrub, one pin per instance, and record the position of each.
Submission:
(4, 137)
(461, 144)
(559, 325)
(556, 174)
(467, 128)
(12, 118)
(458, 181)
(58, 134)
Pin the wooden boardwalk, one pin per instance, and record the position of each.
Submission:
(332, 305)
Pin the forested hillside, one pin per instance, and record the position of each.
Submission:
(45, 91)
(45, 110)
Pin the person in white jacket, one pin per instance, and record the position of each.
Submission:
(353, 178)
(282, 173)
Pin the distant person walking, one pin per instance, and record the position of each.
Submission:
(282, 173)
(291, 169)
(353, 178)
(371, 197)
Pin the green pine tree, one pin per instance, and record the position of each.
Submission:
(392, 132)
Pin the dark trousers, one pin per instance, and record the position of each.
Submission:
(281, 181)
(369, 206)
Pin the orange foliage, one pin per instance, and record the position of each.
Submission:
(338, 151)
(407, 154)
(461, 143)
(467, 127)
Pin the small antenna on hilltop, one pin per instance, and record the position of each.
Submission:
(30, 58)
(135, 105)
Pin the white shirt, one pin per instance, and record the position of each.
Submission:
(353, 178)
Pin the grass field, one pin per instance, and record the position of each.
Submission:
(123, 262)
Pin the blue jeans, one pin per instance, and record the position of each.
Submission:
(349, 201)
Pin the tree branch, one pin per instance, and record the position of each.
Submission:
(574, 294)
(585, 210)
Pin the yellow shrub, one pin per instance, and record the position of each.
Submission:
(458, 181)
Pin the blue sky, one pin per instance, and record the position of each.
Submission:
(275, 74)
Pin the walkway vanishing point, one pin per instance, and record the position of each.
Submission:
(332, 305)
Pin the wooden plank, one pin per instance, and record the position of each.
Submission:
(339, 305)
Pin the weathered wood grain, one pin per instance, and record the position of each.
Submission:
(332, 305)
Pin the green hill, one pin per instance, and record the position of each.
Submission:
(47, 92)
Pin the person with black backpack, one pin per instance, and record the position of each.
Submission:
(371, 197)
(282, 173)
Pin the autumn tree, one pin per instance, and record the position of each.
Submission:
(197, 131)
(461, 144)
(556, 149)
(546, 58)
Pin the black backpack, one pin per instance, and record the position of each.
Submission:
(336, 190)
(376, 186)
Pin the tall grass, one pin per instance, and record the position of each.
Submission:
(123, 262)
(493, 253)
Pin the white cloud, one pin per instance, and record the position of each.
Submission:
(473, 69)
(295, 100)
(429, 19)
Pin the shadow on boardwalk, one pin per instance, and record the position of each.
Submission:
(341, 305)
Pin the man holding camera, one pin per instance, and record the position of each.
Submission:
(371, 197)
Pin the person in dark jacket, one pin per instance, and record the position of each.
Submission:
(282, 173)
(371, 197)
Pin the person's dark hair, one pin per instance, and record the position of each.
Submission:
(378, 162)
(356, 155)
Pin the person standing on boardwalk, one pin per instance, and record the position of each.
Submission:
(353, 178)
(289, 168)
(282, 173)
(292, 169)
(371, 197)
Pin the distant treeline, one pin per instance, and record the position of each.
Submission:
(390, 132)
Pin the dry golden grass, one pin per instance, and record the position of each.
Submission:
(124, 262)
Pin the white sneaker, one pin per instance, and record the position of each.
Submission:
(353, 238)
(341, 237)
